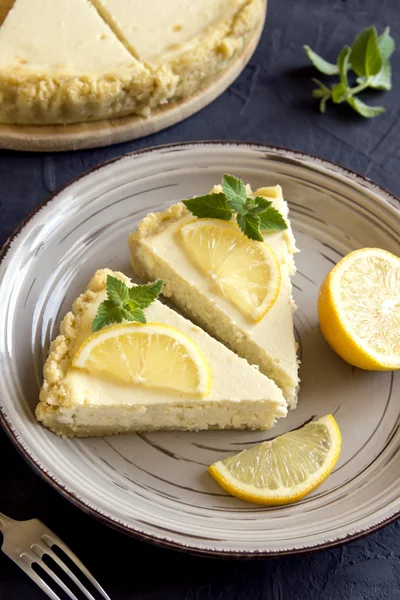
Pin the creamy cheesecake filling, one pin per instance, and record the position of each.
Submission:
(73, 402)
(70, 37)
(158, 28)
(157, 251)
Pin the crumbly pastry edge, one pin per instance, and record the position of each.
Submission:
(39, 98)
(53, 393)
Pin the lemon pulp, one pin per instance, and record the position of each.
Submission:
(359, 309)
(245, 271)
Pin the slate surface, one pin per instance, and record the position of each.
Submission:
(271, 103)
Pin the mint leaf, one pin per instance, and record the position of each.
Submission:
(272, 220)
(386, 44)
(124, 303)
(365, 56)
(232, 200)
(320, 63)
(363, 109)
(339, 92)
(261, 204)
(135, 315)
(117, 291)
(369, 58)
(383, 79)
(250, 225)
(235, 193)
(211, 206)
(344, 64)
(144, 295)
(107, 313)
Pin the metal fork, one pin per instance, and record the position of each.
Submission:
(28, 542)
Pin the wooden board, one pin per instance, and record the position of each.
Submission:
(77, 136)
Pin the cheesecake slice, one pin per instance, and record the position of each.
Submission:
(74, 402)
(157, 250)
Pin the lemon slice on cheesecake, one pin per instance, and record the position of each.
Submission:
(245, 271)
(151, 354)
(285, 469)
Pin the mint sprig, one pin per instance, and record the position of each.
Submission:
(253, 213)
(369, 59)
(125, 303)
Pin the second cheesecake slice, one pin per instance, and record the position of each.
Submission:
(182, 250)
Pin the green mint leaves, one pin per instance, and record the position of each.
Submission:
(253, 214)
(124, 303)
(369, 59)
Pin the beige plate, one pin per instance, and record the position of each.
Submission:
(155, 485)
(77, 136)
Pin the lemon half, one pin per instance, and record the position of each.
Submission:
(152, 354)
(246, 272)
(285, 469)
(359, 309)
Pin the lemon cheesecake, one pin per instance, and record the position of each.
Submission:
(237, 289)
(66, 61)
(60, 62)
(95, 384)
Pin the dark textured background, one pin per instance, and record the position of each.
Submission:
(271, 103)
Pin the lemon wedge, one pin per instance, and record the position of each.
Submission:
(359, 309)
(152, 354)
(285, 469)
(246, 272)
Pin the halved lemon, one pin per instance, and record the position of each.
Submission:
(152, 354)
(285, 469)
(359, 309)
(246, 272)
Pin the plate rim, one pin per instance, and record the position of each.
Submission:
(159, 540)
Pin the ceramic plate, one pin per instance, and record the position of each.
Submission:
(156, 486)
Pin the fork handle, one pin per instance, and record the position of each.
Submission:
(4, 521)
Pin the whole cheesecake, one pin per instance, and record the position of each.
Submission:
(66, 61)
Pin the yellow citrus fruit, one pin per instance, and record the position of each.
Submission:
(359, 309)
(152, 354)
(245, 271)
(285, 469)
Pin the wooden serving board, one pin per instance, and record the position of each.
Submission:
(77, 136)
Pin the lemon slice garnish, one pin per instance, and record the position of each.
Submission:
(285, 469)
(246, 272)
(359, 309)
(152, 354)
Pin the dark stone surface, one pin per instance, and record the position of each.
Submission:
(271, 103)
